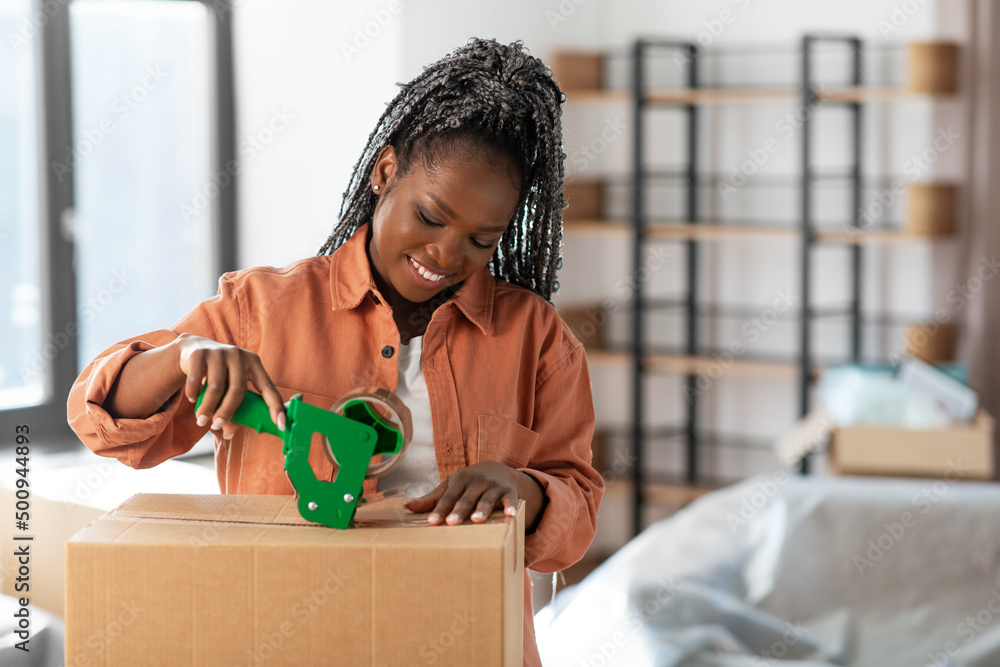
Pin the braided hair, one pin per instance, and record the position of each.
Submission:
(485, 95)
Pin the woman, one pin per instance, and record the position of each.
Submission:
(434, 284)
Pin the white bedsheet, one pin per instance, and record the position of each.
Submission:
(782, 570)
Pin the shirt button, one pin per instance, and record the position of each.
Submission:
(387, 351)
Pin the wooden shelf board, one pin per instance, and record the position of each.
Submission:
(597, 227)
(717, 232)
(609, 359)
(709, 366)
(688, 365)
(700, 96)
(706, 96)
(868, 94)
(705, 231)
(598, 96)
(873, 236)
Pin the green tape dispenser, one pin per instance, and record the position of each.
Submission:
(361, 425)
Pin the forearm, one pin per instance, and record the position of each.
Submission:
(146, 382)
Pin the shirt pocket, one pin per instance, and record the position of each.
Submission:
(505, 441)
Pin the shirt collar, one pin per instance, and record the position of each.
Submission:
(351, 282)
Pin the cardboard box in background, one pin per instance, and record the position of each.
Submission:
(578, 70)
(587, 324)
(584, 199)
(65, 499)
(237, 580)
(52, 523)
(960, 451)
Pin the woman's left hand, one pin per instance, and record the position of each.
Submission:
(475, 491)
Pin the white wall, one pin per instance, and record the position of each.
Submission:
(308, 59)
(291, 192)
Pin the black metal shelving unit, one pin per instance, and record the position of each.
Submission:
(641, 105)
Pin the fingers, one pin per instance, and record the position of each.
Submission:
(473, 492)
(426, 502)
(215, 372)
(231, 365)
(263, 383)
(223, 372)
(195, 365)
(453, 506)
(487, 502)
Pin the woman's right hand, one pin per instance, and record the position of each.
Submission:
(224, 370)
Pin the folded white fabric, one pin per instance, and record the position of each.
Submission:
(790, 571)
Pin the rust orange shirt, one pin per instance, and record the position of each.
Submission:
(507, 381)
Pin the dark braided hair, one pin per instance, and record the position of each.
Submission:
(482, 95)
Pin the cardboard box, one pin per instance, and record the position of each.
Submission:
(961, 451)
(65, 499)
(578, 70)
(244, 580)
(585, 199)
(587, 324)
(932, 67)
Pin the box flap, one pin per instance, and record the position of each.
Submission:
(807, 436)
(265, 510)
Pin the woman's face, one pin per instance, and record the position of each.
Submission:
(434, 228)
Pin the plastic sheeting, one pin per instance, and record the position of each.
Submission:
(789, 571)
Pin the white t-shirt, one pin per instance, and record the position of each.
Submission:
(417, 474)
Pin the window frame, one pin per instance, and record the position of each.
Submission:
(48, 421)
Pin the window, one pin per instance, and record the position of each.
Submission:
(116, 215)
(21, 317)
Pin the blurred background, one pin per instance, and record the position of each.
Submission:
(147, 146)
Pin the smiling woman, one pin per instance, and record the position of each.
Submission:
(432, 229)
(435, 284)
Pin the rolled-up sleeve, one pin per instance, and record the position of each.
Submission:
(143, 443)
(564, 418)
